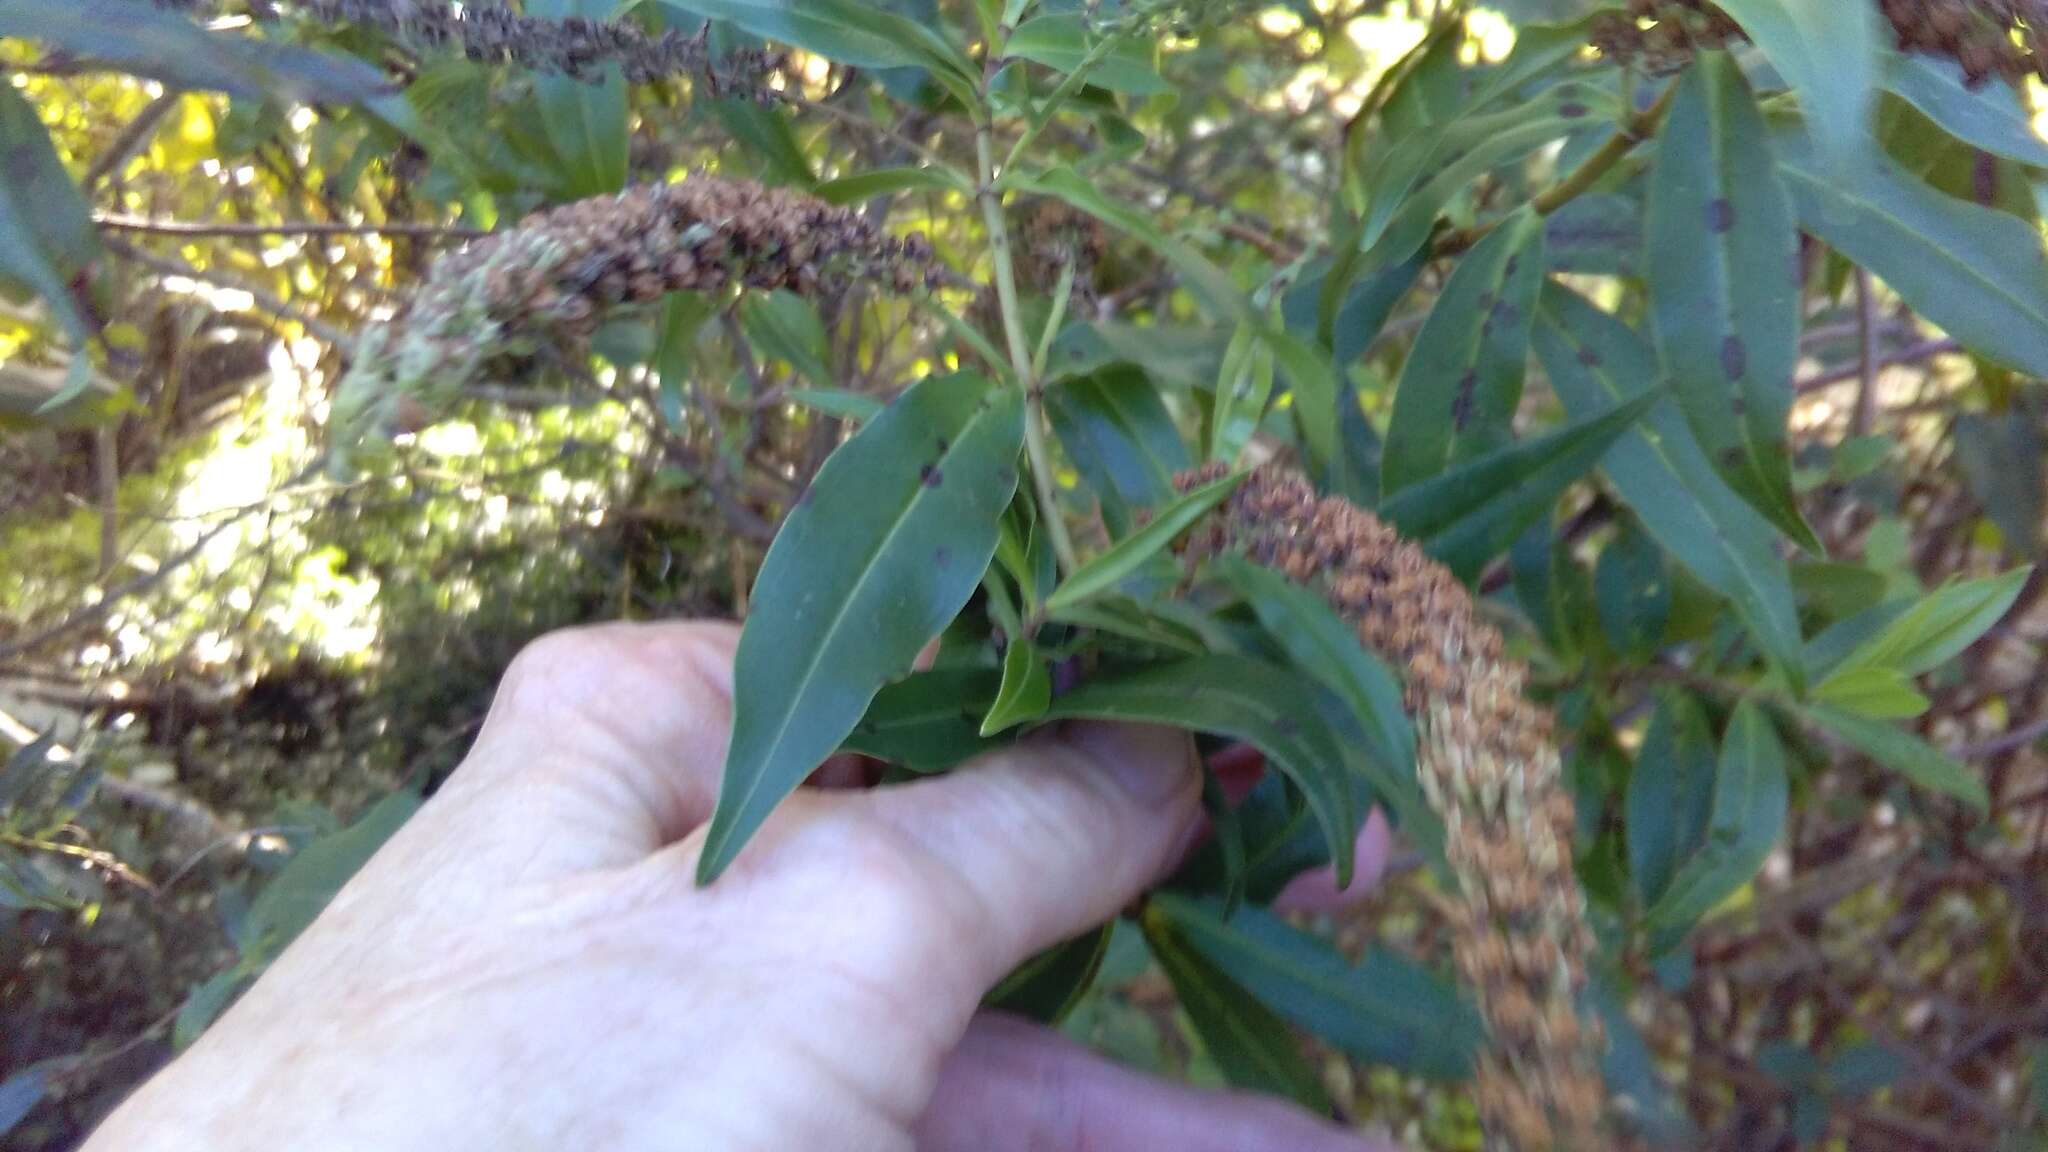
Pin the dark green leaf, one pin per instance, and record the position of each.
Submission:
(1026, 690)
(1831, 55)
(1458, 391)
(1384, 1010)
(1226, 840)
(1320, 644)
(1149, 623)
(786, 326)
(929, 721)
(1266, 706)
(1062, 42)
(1251, 1045)
(1990, 116)
(1751, 796)
(47, 240)
(140, 38)
(767, 135)
(1345, 312)
(586, 122)
(1632, 591)
(842, 30)
(1939, 626)
(1120, 437)
(1977, 272)
(2001, 458)
(1472, 513)
(1670, 794)
(1902, 752)
(1596, 234)
(1594, 360)
(1723, 271)
(863, 186)
(1208, 281)
(298, 894)
(1643, 1102)
(1046, 987)
(890, 540)
(203, 1005)
(1315, 387)
(1106, 571)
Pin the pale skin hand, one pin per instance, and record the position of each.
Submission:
(527, 965)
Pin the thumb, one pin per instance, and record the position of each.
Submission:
(1054, 836)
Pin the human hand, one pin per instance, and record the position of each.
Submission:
(527, 964)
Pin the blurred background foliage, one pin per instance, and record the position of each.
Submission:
(226, 669)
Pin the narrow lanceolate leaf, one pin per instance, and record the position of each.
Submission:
(1046, 987)
(46, 235)
(887, 545)
(1106, 571)
(1251, 1045)
(929, 721)
(1209, 282)
(1670, 794)
(1120, 437)
(787, 327)
(1383, 1010)
(1242, 388)
(1062, 42)
(1473, 512)
(1458, 391)
(586, 123)
(1722, 255)
(1940, 625)
(1026, 690)
(862, 35)
(1831, 54)
(303, 889)
(1977, 272)
(889, 181)
(1989, 116)
(1264, 705)
(1894, 748)
(1319, 643)
(1593, 361)
(137, 37)
(1751, 797)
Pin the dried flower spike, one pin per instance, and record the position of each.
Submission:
(547, 283)
(492, 33)
(1490, 768)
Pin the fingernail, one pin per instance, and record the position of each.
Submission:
(1150, 763)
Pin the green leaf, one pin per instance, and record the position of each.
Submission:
(1883, 693)
(1226, 839)
(1026, 690)
(1264, 705)
(1061, 42)
(1242, 389)
(1120, 437)
(1046, 987)
(586, 122)
(929, 721)
(1319, 643)
(1208, 281)
(862, 186)
(768, 135)
(1939, 626)
(847, 405)
(2001, 459)
(1722, 255)
(303, 889)
(1831, 54)
(47, 239)
(1990, 116)
(1463, 379)
(1473, 512)
(890, 540)
(138, 37)
(1598, 234)
(786, 326)
(861, 35)
(1670, 794)
(1632, 592)
(1249, 1043)
(203, 1005)
(1751, 797)
(1104, 572)
(1148, 623)
(1384, 1010)
(1902, 752)
(1977, 272)
(1593, 361)
(1315, 387)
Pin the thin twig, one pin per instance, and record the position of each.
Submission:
(131, 138)
(1924, 350)
(277, 307)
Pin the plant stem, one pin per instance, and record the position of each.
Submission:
(1020, 354)
(1633, 130)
